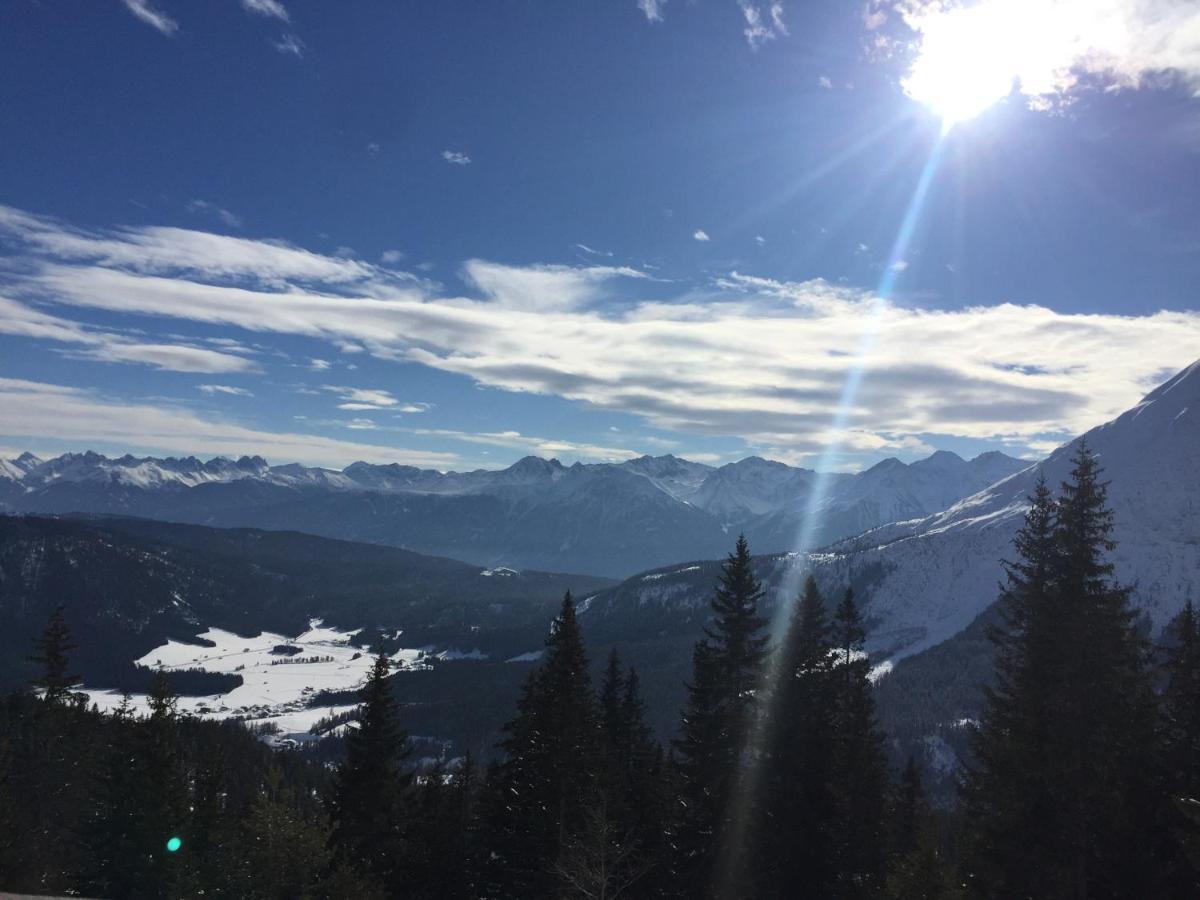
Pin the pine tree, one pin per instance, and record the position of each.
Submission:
(1010, 741)
(859, 771)
(917, 869)
(367, 802)
(1181, 705)
(282, 853)
(727, 664)
(539, 791)
(632, 790)
(155, 808)
(52, 648)
(796, 856)
(1060, 799)
(702, 772)
(1179, 722)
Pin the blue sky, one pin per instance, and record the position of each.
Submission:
(456, 233)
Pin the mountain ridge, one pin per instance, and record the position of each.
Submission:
(610, 519)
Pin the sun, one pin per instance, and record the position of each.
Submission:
(968, 61)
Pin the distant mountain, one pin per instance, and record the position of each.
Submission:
(608, 519)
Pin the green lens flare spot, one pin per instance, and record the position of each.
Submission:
(174, 844)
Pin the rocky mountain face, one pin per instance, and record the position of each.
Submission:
(607, 519)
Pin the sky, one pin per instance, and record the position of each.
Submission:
(453, 234)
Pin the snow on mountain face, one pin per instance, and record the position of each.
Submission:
(609, 519)
(678, 477)
(751, 487)
(931, 577)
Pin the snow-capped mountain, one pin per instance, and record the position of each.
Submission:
(934, 575)
(924, 579)
(610, 519)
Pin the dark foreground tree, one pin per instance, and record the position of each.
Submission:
(538, 794)
(51, 655)
(710, 849)
(795, 852)
(917, 867)
(859, 772)
(1180, 746)
(367, 802)
(1061, 798)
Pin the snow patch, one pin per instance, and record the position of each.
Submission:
(275, 689)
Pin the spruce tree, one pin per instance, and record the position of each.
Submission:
(1008, 745)
(1060, 797)
(540, 790)
(727, 665)
(158, 802)
(281, 852)
(796, 856)
(1181, 705)
(367, 803)
(702, 772)
(632, 789)
(1179, 721)
(52, 649)
(859, 771)
(917, 869)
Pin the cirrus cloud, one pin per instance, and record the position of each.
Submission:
(742, 356)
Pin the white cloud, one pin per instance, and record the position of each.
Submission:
(71, 416)
(824, 82)
(591, 251)
(231, 219)
(899, 265)
(224, 389)
(391, 257)
(760, 240)
(700, 235)
(319, 365)
(762, 25)
(270, 8)
(361, 425)
(652, 9)
(539, 446)
(543, 286)
(455, 158)
(151, 16)
(290, 45)
(213, 256)
(1049, 49)
(746, 357)
(106, 346)
(362, 398)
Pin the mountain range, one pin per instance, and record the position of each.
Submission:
(927, 584)
(609, 519)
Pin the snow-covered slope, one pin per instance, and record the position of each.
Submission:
(929, 578)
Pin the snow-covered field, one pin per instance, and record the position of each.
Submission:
(276, 688)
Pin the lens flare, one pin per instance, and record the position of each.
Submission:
(746, 788)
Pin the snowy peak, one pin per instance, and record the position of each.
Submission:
(942, 570)
(531, 469)
(678, 477)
